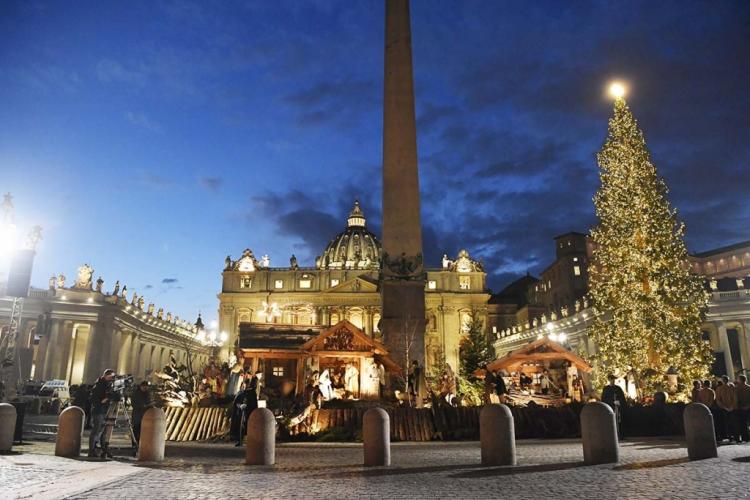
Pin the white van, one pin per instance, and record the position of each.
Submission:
(55, 389)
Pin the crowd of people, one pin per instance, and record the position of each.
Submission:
(729, 403)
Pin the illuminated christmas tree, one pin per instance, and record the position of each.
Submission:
(650, 304)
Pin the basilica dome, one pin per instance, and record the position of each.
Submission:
(353, 248)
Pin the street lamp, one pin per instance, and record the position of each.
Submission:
(212, 337)
(17, 261)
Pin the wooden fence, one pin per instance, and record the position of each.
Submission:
(407, 424)
(196, 423)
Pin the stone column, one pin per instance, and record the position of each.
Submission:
(724, 344)
(50, 351)
(745, 345)
(403, 275)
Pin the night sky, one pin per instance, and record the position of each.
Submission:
(152, 139)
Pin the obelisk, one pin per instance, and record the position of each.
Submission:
(402, 271)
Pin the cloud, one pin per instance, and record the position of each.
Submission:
(328, 101)
(143, 121)
(211, 183)
(111, 71)
(169, 281)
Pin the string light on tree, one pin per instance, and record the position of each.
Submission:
(652, 305)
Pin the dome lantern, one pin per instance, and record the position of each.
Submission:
(356, 217)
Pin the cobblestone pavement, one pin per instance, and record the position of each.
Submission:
(547, 469)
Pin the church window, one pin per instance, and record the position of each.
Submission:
(305, 281)
(432, 284)
(334, 282)
(278, 371)
(464, 282)
(278, 284)
(494, 329)
(246, 282)
(577, 270)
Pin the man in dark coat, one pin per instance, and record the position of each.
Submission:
(246, 402)
(500, 389)
(101, 395)
(613, 395)
(141, 401)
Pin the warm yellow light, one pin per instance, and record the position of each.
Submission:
(617, 90)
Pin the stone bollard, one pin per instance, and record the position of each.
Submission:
(699, 432)
(153, 434)
(7, 426)
(497, 435)
(376, 437)
(599, 434)
(260, 444)
(69, 432)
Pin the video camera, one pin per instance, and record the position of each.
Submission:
(122, 383)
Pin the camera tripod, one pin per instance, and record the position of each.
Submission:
(117, 417)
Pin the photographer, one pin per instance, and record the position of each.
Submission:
(141, 401)
(101, 396)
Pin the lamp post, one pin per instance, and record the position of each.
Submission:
(18, 261)
(212, 337)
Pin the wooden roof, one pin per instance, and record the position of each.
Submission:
(542, 349)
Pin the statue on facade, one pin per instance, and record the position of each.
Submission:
(585, 302)
(134, 301)
(553, 316)
(564, 311)
(99, 284)
(83, 282)
(116, 291)
(124, 293)
(446, 261)
(160, 313)
(141, 302)
(150, 309)
(52, 282)
(61, 281)
(265, 261)
(169, 317)
(577, 305)
(293, 262)
(228, 263)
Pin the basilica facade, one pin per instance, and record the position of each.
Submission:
(343, 285)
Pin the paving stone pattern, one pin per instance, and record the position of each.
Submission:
(547, 469)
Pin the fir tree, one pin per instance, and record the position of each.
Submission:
(650, 304)
(475, 350)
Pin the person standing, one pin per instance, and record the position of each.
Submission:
(141, 401)
(101, 395)
(614, 396)
(500, 388)
(696, 392)
(381, 379)
(247, 401)
(489, 385)
(726, 401)
(545, 382)
(742, 420)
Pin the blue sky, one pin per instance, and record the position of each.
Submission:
(151, 139)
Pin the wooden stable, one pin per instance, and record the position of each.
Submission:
(543, 351)
(289, 354)
(563, 369)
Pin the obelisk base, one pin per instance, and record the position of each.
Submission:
(403, 321)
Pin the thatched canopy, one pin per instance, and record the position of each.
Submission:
(542, 349)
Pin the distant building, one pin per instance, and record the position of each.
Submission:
(75, 332)
(343, 285)
(557, 304)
